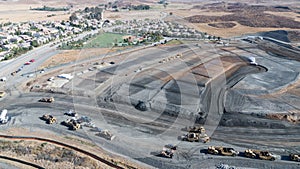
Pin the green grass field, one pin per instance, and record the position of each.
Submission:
(104, 40)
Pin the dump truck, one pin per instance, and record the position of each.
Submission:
(48, 118)
(191, 137)
(295, 157)
(72, 124)
(48, 100)
(196, 129)
(106, 134)
(222, 151)
(263, 155)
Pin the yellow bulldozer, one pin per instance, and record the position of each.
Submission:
(71, 124)
(295, 157)
(48, 118)
(48, 100)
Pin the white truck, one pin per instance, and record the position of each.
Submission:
(3, 79)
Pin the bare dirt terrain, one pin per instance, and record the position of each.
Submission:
(67, 56)
(249, 18)
(148, 96)
(113, 96)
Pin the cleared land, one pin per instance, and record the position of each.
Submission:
(75, 55)
(151, 94)
(248, 18)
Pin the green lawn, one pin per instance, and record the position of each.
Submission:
(104, 40)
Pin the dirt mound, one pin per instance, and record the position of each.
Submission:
(279, 35)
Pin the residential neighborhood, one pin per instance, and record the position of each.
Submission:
(18, 38)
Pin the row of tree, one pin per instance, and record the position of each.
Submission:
(47, 8)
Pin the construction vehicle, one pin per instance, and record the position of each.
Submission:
(106, 134)
(263, 155)
(48, 118)
(196, 133)
(72, 124)
(295, 157)
(2, 94)
(191, 137)
(13, 73)
(222, 151)
(48, 100)
(71, 113)
(3, 117)
(196, 129)
(168, 151)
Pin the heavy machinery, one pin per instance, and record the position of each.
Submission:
(196, 137)
(48, 100)
(2, 94)
(168, 151)
(263, 155)
(48, 118)
(222, 151)
(191, 137)
(71, 113)
(72, 124)
(295, 157)
(196, 129)
(196, 133)
(106, 134)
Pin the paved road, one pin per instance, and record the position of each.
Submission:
(40, 54)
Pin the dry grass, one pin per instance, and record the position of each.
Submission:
(46, 154)
(19, 11)
(74, 142)
(229, 32)
(293, 15)
(130, 15)
(74, 55)
(22, 12)
(192, 12)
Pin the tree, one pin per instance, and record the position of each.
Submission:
(73, 17)
(34, 43)
(86, 10)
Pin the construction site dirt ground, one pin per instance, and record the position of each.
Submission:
(109, 95)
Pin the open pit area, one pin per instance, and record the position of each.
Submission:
(147, 96)
(133, 102)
